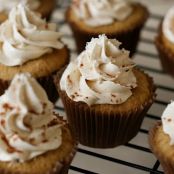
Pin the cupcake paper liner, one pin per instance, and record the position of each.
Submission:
(47, 9)
(166, 163)
(48, 84)
(129, 40)
(129, 36)
(3, 86)
(102, 128)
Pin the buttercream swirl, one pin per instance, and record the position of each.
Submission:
(26, 118)
(168, 121)
(101, 12)
(102, 74)
(7, 5)
(25, 36)
(168, 25)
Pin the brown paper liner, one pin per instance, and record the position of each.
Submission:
(128, 37)
(46, 82)
(165, 54)
(129, 40)
(102, 128)
(167, 164)
(46, 8)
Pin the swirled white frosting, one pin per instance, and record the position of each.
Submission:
(101, 12)
(26, 128)
(168, 25)
(7, 5)
(102, 74)
(25, 36)
(168, 121)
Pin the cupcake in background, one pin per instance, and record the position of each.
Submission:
(119, 19)
(32, 137)
(44, 7)
(30, 44)
(161, 139)
(165, 42)
(105, 96)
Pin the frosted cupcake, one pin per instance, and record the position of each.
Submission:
(30, 44)
(32, 137)
(161, 139)
(165, 42)
(116, 18)
(103, 94)
(42, 6)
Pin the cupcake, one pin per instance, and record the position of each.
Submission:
(103, 95)
(42, 6)
(32, 137)
(161, 139)
(165, 42)
(117, 19)
(30, 44)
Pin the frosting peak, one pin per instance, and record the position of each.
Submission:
(168, 121)
(26, 118)
(102, 74)
(25, 36)
(168, 25)
(101, 12)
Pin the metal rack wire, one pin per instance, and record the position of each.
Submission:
(135, 157)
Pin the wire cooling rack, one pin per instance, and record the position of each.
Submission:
(135, 157)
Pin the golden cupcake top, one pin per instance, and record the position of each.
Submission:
(28, 127)
(25, 36)
(102, 74)
(101, 12)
